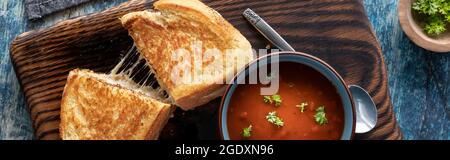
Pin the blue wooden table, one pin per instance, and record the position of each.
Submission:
(418, 80)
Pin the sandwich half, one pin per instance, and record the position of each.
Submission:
(189, 28)
(110, 107)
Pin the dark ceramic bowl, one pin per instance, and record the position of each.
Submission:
(301, 58)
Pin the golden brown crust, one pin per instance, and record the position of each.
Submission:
(159, 123)
(177, 24)
(94, 109)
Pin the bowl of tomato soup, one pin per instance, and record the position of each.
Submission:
(312, 102)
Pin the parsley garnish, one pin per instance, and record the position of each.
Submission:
(246, 132)
(320, 116)
(302, 106)
(268, 100)
(436, 12)
(435, 26)
(277, 99)
(274, 119)
(274, 98)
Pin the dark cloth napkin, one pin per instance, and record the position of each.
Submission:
(36, 9)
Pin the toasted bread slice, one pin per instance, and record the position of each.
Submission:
(180, 24)
(98, 106)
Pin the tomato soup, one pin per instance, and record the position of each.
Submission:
(307, 106)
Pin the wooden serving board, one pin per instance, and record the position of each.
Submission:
(337, 31)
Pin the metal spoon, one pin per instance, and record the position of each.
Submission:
(266, 30)
(366, 111)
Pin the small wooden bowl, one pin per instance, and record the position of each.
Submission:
(412, 29)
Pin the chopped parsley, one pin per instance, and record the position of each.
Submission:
(271, 99)
(320, 116)
(277, 99)
(436, 14)
(302, 106)
(435, 26)
(274, 119)
(268, 100)
(246, 132)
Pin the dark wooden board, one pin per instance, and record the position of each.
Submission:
(336, 31)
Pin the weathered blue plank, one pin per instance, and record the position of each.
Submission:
(39, 8)
(83, 9)
(418, 79)
(14, 118)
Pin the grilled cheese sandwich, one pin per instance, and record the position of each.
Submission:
(99, 106)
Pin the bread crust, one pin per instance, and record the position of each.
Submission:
(93, 109)
(177, 24)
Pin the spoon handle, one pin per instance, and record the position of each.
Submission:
(266, 30)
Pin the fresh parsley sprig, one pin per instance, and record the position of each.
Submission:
(302, 106)
(277, 99)
(246, 132)
(320, 116)
(268, 100)
(274, 119)
(435, 26)
(271, 99)
(436, 12)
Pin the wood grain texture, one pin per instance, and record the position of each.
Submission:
(419, 80)
(336, 31)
